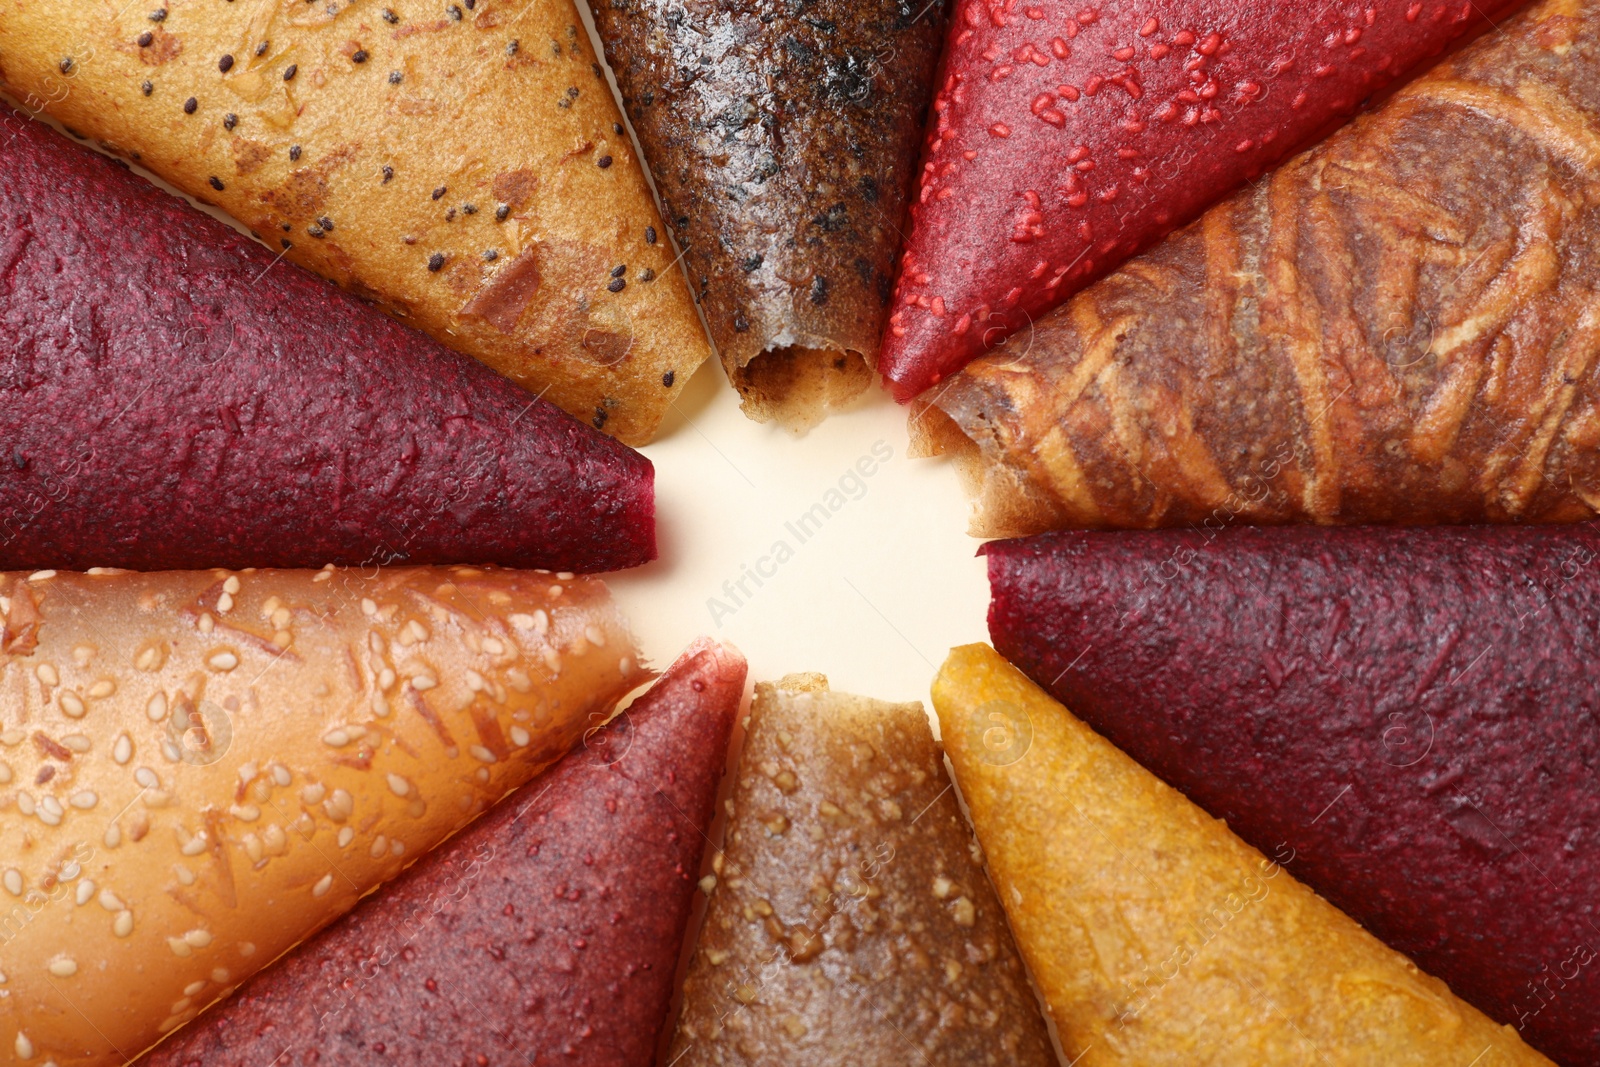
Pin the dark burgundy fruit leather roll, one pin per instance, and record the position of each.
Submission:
(174, 398)
(1067, 135)
(1409, 719)
(548, 932)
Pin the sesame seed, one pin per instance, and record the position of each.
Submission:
(424, 682)
(475, 681)
(322, 886)
(380, 845)
(294, 152)
(482, 754)
(113, 836)
(189, 105)
(103, 688)
(146, 778)
(435, 261)
(85, 892)
(109, 901)
(145, 38)
(346, 835)
(12, 880)
(84, 800)
(360, 56)
(156, 707)
(216, 183)
(395, 77)
(225, 64)
(222, 661)
(193, 988)
(122, 925)
(312, 794)
(198, 938)
(290, 71)
(247, 949)
(280, 774)
(23, 1046)
(595, 636)
(336, 738)
(72, 705)
(603, 162)
(47, 674)
(180, 948)
(398, 785)
(63, 967)
(5, 774)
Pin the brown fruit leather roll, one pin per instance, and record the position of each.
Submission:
(852, 923)
(547, 932)
(461, 163)
(1398, 326)
(198, 769)
(782, 140)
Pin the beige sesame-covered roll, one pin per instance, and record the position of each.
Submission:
(198, 769)
(851, 923)
(462, 163)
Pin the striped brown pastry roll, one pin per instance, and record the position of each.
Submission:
(782, 139)
(851, 922)
(198, 769)
(461, 163)
(1398, 326)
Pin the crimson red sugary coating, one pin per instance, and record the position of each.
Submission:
(175, 399)
(548, 932)
(1409, 720)
(1067, 136)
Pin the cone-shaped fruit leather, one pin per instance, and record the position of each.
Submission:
(547, 932)
(1158, 937)
(201, 768)
(782, 139)
(175, 399)
(1397, 326)
(1068, 136)
(1411, 713)
(463, 165)
(852, 924)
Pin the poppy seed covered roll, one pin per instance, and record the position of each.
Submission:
(547, 932)
(461, 163)
(782, 138)
(1411, 714)
(179, 399)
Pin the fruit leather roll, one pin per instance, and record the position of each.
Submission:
(462, 165)
(1397, 326)
(548, 931)
(1155, 935)
(782, 140)
(201, 768)
(1067, 137)
(851, 922)
(178, 400)
(1410, 713)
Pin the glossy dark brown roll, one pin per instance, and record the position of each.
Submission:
(782, 139)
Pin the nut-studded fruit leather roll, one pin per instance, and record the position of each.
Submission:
(198, 769)
(1411, 712)
(782, 139)
(851, 923)
(1157, 937)
(461, 163)
(1398, 326)
(549, 931)
(1068, 136)
(175, 399)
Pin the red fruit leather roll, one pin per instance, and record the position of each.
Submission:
(1066, 137)
(1409, 720)
(176, 399)
(548, 932)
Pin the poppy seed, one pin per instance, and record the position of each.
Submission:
(603, 162)
(65, 64)
(294, 152)
(390, 17)
(360, 56)
(326, 223)
(437, 193)
(511, 48)
(261, 49)
(216, 183)
(490, 255)
(619, 270)
(395, 77)
(158, 15)
(388, 172)
(469, 209)
(668, 378)
(189, 105)
(454, 12)
(225, 64)
(145, 38)
(502, 211)
(289, 72)
(146, 88)
(436, 261)
(618, 284)
(649, 235)
(229, 121)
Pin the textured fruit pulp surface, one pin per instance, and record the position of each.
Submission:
(546, 932)
(179, 399)
(1412, 714)
(1065, 137)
